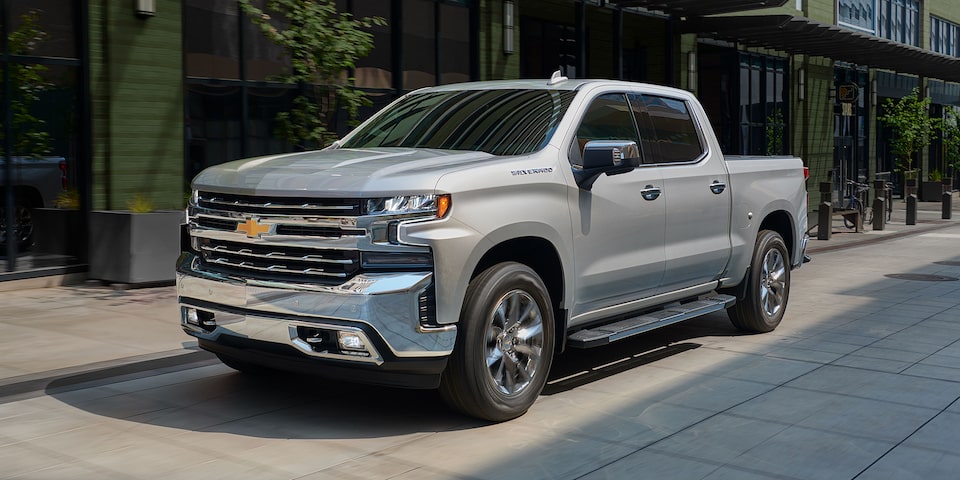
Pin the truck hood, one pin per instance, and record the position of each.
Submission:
(338, 172)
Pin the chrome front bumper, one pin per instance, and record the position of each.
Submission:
(381, 309)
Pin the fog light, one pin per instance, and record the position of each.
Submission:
(350, 341)
(192, 317)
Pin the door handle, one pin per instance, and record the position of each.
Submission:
(717, 188)
(650, 192)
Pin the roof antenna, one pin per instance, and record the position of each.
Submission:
(557, 77)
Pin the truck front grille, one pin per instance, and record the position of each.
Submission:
(303, 240)
(279, 261)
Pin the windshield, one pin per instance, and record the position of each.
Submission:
(499, 122)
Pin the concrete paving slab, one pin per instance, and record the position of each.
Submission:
(842, 414)
(720, 438)
(904, 389)
(908, 463)
(803, 453)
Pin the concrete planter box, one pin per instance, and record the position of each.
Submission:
(134, 248)
(931, 191)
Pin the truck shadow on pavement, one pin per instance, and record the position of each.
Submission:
(206, 396)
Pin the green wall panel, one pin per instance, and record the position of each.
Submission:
(137, 94)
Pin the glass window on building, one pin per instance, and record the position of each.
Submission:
(234, 92)
(419, 38)
(944, 36)
(547, 45)
(453, 44)
(375, 71)
(211, 33)
(857, 14)
(763, 104)
(900, 21)
(42, 147)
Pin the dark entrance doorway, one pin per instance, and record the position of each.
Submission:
(850, 131)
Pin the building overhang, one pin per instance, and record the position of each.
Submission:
(682, 8)
(801, 35)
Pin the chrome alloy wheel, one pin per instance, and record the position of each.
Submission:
(773, 284)
(514, 342)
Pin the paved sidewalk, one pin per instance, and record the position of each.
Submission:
(929, 218)
(58, 332)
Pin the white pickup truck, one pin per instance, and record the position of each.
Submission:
(466, 234)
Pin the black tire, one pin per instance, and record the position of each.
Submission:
(767, 288)
(504, 345)
(245, 367)
(23, 223)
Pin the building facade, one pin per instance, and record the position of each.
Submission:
(125, 101)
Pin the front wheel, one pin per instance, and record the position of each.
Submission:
(505, 345)
(767, 288)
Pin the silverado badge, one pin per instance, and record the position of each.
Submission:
(253, 228)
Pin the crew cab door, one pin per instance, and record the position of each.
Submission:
(618, 222)
(696, 191)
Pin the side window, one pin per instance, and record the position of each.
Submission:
(675, 131)
(608, 118)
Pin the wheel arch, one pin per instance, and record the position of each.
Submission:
(781, 222)
(26, 194)
(542, 256)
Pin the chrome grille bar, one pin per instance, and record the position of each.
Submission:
(273, 205)
(279, 256)
(275, 268)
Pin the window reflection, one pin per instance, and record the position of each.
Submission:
(42, 150)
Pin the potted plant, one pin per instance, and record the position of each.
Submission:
(909, 117)
(139, 245)
(932, 189)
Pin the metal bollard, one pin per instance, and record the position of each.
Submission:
(878, 210)
(947, 205)
(824, 221)
(911, 209)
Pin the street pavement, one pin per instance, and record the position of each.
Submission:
(861, 380)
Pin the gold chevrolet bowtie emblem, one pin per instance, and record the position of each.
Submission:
(253, 228)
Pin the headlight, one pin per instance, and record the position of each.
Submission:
(435, 206)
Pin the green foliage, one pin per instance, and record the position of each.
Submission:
(26, 85)
(775, 133)
(68, 200)
(935, 175)
(140, 204)
(950, 132)
(910, 119)
(322, 45)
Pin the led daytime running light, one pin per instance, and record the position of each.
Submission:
(409, 204)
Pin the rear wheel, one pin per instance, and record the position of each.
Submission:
(22, 223)
(505, 345)
(767, 288)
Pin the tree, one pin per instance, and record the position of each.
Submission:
(910, 119)
(322, 45)
(950, 132)
(26, 85)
